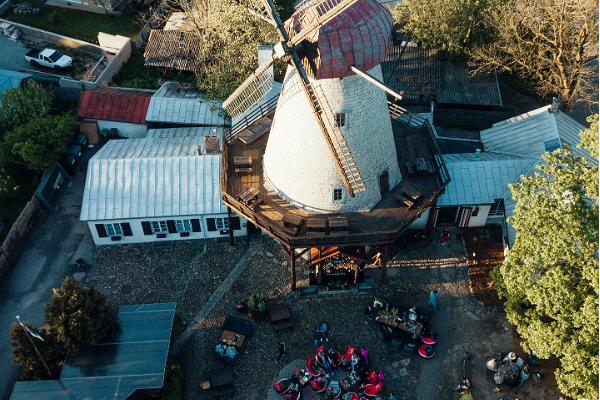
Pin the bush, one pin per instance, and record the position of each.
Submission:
(25, 356)
(53, 17)
(174, 383)
(79, 316)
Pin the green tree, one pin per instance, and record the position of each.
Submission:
(452, 25)
(39, 142)
(551, 43)
(79, 316)
(25, 356)
(19, 105)
(550, 278)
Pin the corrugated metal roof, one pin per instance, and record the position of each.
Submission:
(179, 104)
(143, 178)
(527, 133)
(480, 179)
(115, 104)
(200, 131)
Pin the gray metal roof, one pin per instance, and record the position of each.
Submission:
(135, 358)
(526, 134)
(480, 179)
(180, 104)
(165, 133)
(152, 177)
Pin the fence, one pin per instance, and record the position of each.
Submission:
(14, 241)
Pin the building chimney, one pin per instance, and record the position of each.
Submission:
(210, 145)
(477, 154)
(265, 52)
(555, 104)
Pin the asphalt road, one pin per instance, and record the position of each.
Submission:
(13, 55)
(58, 239)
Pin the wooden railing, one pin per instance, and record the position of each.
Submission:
(262, 110)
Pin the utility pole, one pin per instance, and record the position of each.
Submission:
(30, 335)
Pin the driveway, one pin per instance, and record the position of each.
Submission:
(57, 240)
(15, 55)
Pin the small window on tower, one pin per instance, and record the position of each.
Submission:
(340, 120)
(337, 194)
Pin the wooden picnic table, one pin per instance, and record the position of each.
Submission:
(413, 191)
(232, 338)
(413, 328)
(338, 224)
(249, 195)
(242, 160)
(316, 224)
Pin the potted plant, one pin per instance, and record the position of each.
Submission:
(257, 306)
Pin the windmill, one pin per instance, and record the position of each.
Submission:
(299, 49)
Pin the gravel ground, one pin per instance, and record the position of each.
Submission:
(186, 272)
(463, 323)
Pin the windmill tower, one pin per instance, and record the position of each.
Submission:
(318, 167)
(331, 146)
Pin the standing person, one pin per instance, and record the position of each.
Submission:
(392, 397)
(433, 299)
(280, 350)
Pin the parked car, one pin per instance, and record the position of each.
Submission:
(48, 58)
(10, 31)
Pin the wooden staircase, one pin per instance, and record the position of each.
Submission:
(334, 138)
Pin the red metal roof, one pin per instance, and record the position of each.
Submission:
(113, 104)
(357, 37)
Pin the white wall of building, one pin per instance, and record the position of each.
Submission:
(126, 129)
(138, 235)
(481, 218)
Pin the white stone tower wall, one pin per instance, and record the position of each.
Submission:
(297, 162)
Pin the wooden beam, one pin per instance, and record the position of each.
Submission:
(292, 255)
(376, 82)
(231, 241)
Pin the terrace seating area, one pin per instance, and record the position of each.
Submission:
(424, 177)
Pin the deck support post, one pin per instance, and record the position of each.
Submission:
(384, 260)
(231, 242)
(292, 255)
(431, 218)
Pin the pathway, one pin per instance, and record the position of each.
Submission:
(213, 300)
(58, 238)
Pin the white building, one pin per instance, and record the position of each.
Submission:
(478, 192)
(178, 105)
(162, 187)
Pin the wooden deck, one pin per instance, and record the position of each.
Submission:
(381, 225)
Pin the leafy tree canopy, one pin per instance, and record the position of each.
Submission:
(25, 356)
(38, 142)
(550, 278)
(19, 105)
(78, 315)
(552, 43)
(452, 25)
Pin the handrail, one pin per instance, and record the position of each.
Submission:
(262, 110)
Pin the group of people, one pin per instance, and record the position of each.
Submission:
(510, 370)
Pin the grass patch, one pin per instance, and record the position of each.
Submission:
(79, 24)
(134, 74)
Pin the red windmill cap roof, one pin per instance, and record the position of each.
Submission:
(359, 37)
(111, 104)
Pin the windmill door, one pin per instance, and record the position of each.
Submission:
(384, 185)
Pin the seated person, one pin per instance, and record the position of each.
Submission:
(412, 314)
(322, 333)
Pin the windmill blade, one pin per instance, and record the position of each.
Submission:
(327, 10)
(376, 82)
(251, 91)
(257, 8)
(334, 137)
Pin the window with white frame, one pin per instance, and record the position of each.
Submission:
(340, 119)
(113, 229)
(159, 226)
(222, 223)
(183, 225)
(337, 194)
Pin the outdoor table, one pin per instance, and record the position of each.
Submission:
(280, 314)
(241, 160)
(413, 328)
(232, 338)
(316, 224)
(249, 195)
(338, 224)
(221, 379)
(300, 373)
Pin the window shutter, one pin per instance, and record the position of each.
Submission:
(126, 229)
(171, 226)
(235, 223)
(146, 227)
(196, 225)
(101, 230)
(210, 224)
